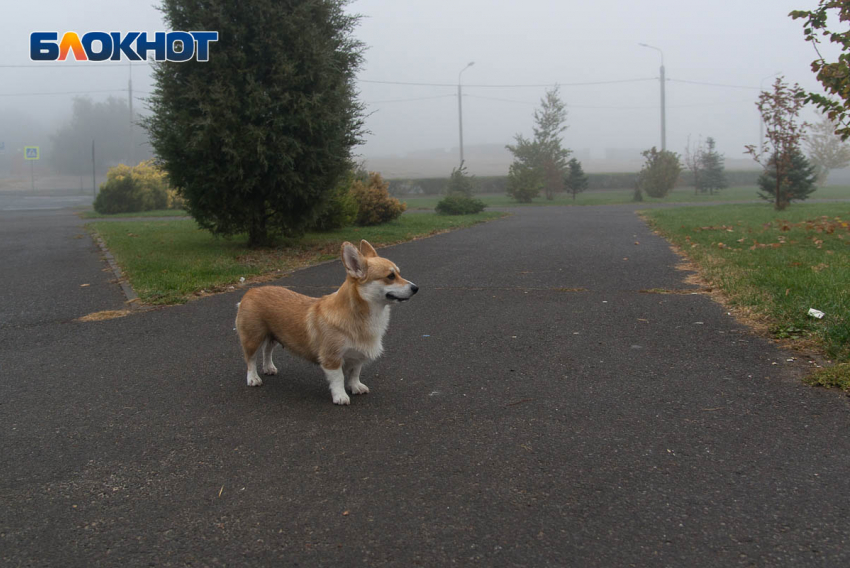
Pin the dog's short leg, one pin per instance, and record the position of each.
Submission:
(254, 379)
(268, 364)
(250, 348)
(354, 384)
(336, 379)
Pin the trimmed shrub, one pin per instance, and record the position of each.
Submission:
(340, 210)
(459, 204)
(374, 203)
(121, 194)
(660, 172)
(131, 190)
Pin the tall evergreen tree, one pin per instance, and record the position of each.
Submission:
(258, 136)
(550, 121)
(545, 154)
(713, 174)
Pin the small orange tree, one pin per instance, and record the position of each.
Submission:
(780, 110)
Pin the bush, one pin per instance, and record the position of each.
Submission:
(660, 172)
(374, 203)
(340, 210)
(131, 190)
(121, 194)
(459, 204)
(524, 183)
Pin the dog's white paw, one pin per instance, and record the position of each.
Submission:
(254, 381)
(358, 388)
(341, 398)
(270, 370)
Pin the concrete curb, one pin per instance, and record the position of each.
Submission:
(132, 297)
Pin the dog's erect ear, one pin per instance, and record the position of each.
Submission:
(367, 250)
(354, 262)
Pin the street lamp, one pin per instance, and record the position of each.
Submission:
(761, 120)
(460, 109)
(663, 108)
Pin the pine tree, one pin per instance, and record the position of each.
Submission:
(460, 182)
(261, 134)
(713, 174)
(798, 181)
(576, 180)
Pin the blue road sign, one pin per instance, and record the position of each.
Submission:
(31, 152)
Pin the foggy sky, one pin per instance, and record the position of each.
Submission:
(537, 42)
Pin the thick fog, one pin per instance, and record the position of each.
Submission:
(716, 55)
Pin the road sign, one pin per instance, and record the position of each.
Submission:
(31, 153)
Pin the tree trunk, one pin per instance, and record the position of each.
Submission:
(779, 204)
(258, 233)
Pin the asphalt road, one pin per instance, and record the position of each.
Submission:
(43, 200)
(511, 422)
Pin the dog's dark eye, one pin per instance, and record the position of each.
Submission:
(391, 276)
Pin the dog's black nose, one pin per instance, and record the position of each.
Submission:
(414, 287)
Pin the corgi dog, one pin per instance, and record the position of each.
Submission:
(340, 331)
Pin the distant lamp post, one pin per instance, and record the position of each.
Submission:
(761, 120)
(460, 109)
(663, 105)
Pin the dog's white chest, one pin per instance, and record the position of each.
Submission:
(371, 344)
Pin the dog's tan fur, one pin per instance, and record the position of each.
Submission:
(343, 329)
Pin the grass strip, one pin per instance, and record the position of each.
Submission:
(775, 265)
(168, 262)
(154, 213)
(621, 196)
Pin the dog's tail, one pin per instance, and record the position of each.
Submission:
(235, 323)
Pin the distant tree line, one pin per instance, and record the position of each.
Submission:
(107, 123)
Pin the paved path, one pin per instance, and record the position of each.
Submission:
(510, 423)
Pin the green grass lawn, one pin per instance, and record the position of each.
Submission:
(169, 261)
(616, 196)
(776, 265)
(155, 213)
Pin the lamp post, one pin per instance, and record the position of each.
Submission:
(460, 109)
(663, 105)
(761, 120)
